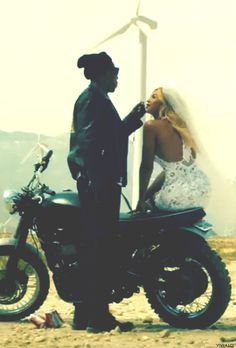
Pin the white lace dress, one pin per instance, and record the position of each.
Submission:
(185, 185)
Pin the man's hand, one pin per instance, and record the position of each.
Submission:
(138, 111)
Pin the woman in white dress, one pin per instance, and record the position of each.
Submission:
(168, 141)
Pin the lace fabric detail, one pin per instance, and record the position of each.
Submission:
(185, 185)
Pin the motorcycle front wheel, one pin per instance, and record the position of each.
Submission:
(29, 289)
(189, 286)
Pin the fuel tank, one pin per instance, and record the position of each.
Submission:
(62, 200)
(59, 217)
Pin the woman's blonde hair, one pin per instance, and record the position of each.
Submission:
(169, 110)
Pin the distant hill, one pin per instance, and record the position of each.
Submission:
(14, 147)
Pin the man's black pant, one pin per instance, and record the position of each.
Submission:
(97, 249)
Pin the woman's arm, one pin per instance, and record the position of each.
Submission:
(146, 166)
(155, 186)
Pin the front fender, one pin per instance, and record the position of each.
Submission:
(11, 242)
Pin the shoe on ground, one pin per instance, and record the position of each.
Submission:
(79, 326)
(80, 319)
(98, 327)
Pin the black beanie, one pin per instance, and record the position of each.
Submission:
(96, 64)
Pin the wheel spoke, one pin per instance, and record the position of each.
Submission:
(192, 309)
(24, 294)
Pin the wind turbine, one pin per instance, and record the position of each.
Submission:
(3, 225)
(137, 139)
(39, 148)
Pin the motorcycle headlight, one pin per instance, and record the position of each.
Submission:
(9, 198)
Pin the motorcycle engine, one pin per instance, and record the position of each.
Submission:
(58, 232)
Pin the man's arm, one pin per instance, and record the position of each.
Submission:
(133, 120)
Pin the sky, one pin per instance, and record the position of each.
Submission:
(192, 50)
(42, 39)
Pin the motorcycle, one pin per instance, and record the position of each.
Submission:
(185, 282)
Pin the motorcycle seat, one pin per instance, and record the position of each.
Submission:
(165, 217)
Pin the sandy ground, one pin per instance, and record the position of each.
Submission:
(149, 331)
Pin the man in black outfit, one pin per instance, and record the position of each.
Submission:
(98, 162)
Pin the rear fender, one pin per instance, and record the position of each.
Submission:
(192, 231)
(201, 228)
(177, 237)
(177, 240)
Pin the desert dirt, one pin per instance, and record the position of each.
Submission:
(149, 331)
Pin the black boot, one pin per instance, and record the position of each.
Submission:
(100, 320)
(80, 319)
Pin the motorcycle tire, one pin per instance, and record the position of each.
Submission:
(31, 285)
(218, 281)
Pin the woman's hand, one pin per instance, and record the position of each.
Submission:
(143, 206)
(150, 204)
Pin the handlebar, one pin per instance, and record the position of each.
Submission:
(47, 156)
(39, 167)
(48, 191)
(44, 163)
(45, 160)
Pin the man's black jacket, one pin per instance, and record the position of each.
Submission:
(99, 139)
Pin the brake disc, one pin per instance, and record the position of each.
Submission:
(14, 292)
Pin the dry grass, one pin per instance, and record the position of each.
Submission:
(225, 246)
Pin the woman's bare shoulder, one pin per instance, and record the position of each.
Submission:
(156, 125)
(152, 123)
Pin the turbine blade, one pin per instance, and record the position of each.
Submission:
(29, 154)
(116, 33)
(43, 150)
(44, 147)
(152, 24)
(138, 8)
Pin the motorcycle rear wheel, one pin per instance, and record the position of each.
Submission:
(203, 311)
(31, 285)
